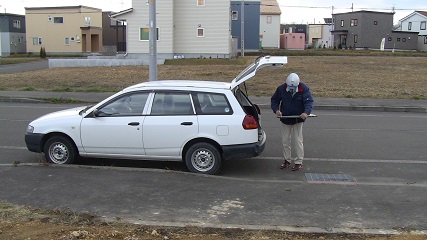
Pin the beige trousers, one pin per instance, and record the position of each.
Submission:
(292, 141)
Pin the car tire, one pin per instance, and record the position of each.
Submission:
(203, 158)
(60, 150)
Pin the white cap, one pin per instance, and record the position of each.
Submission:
(292, 80)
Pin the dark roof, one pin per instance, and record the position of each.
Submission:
(364, 11)
(422, 13)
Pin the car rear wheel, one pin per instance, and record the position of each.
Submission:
(60, 150)
(203, 158)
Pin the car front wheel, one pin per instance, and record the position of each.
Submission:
(203, 158)
(60, 150)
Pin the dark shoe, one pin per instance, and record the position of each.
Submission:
(297, 167)
(285, 164)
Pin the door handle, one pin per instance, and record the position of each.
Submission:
(133, 124)
(187, 123)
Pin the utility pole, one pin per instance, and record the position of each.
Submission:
(153, 41)
(242, 28)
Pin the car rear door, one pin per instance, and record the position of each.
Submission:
(171, 123)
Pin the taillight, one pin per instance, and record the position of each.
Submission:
(249, 122)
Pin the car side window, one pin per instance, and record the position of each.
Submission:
(128, 105)
(213, 103)
(172, 104)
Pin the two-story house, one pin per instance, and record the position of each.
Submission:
(185, 28)
(64, 30)
(270, 24)
(416, 22)
(319, 35)
(367, 29)
(12, 29)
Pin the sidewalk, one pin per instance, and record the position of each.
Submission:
(347, 104)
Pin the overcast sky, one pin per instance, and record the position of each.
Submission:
(293, 11)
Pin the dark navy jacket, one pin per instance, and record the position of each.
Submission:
(301, 102)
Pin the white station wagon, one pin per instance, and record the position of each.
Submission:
(199, 122)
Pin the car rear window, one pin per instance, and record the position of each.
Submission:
(213, 104)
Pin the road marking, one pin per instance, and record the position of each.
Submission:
(398, 161)
(15, 120)
(13, 148)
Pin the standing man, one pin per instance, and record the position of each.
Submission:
(293, 98)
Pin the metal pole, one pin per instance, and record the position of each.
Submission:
(153, 41)
(242, 30)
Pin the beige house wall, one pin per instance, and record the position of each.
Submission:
(314, 31)
(40, 24)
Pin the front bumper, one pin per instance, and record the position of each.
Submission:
(34, 142)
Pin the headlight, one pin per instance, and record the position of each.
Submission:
(30, 129)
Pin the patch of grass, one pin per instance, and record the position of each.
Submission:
(4, 61)
(28, 89)
(99, 89)
(61, 100)
(61, 89)
(338, 52)
(419, 98)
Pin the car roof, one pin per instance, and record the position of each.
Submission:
(171, 84)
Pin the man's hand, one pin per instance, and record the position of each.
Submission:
(303, 116)
(278, 113)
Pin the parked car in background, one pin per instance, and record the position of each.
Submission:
(202, 123)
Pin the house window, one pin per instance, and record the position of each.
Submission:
(425, 40)
(355, 38)
(398, 39)
(389, 39)
(234, 15)
(200, 32)
(342, 23)
(409, 25)
(87, 21)
(16, 24)
(353, 22)
(37, 41)
(144, 34)
(200, 2)
(375, 22)
(269, 19)
(403, 39)
(67, 41)
(19, 40)
(423, 25)
(58, 20)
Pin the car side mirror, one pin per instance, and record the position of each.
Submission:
(95, 113)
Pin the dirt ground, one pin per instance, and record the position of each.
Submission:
(19, 222)
(327, 76)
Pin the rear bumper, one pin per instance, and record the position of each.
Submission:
(244, 150)
(33, 141)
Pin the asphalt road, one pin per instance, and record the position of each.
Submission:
(23, 67)
(384, 152)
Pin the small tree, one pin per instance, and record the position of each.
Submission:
(42, 52)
